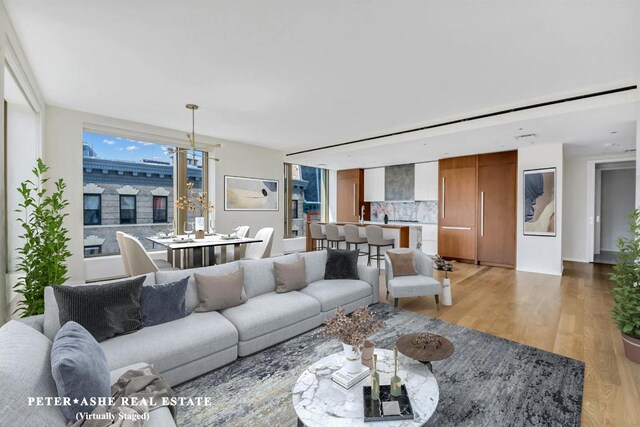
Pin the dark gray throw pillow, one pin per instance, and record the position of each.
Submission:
(162, 303)
(103, 310)
(79, 368)
(341, 264)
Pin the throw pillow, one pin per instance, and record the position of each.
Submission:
(162, 303)
(79, 368)
(218, 292)
(341, 264)
(103, 310)
(403, 263)
(290, 277)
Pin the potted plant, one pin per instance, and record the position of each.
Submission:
(352, 333)
(45, 251)
(626, 289)
(196, 202)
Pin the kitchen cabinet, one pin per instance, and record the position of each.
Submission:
(426, 181)
(350, 195)
(374, 185)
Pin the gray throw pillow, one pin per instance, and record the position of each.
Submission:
(341, 264)
(290, 277)
(218, 292)
(103, 310)
(79, 368)
(162, 303)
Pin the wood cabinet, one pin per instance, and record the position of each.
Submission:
(426, 181)
(350, 195)
(374, 185)
(477, 203)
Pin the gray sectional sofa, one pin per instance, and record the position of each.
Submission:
(201, 342)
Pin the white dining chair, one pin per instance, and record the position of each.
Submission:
(138, 259)
(261, 249)
(123, 253)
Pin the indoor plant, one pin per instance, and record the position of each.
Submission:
(352, 333)
(626, 289)
(45, 251)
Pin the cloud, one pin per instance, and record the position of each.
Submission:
(144, 143)
(117, 137)
(108, 141)
(132, 148)
(119, 148)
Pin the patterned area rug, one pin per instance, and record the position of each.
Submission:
(488, 381)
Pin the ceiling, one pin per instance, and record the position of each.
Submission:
(299, 74)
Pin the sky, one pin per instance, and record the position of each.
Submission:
(132, 150)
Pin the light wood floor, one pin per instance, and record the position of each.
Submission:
(567, 315)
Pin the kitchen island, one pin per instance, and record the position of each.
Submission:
(405, 236)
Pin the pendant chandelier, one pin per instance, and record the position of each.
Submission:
(192, 135)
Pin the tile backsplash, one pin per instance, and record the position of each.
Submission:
(423, 212)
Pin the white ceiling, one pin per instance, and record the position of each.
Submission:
(297, 74)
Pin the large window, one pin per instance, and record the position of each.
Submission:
(306, 191)
(131, 185)
(160, 209)
(127, 209)
(92, 209)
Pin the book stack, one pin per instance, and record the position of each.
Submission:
(346, 379)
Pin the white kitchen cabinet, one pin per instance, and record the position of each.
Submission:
(426, 181)
(374, 185)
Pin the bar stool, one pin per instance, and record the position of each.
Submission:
(375, 239)
(352, 237)
(333, 236)
(317, 236)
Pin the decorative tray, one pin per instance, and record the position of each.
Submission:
(397, 408)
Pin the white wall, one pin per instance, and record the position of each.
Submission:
(540, 254)
(62, 151)
(576, 217)
(618, 201)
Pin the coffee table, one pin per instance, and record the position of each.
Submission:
(319, 401)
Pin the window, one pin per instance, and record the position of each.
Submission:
(160, 209)
(127, 209)
(92, 250)
(92, 209)
(306, 186)
(294, 209)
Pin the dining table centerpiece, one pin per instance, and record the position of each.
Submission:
(196, 201)
(352, 331)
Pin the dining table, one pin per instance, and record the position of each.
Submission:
(202, 251)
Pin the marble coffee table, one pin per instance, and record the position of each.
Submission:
(319, 401)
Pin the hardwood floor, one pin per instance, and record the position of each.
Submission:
(567, 315)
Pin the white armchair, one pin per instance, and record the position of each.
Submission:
(412, 286)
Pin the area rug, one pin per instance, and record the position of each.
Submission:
(488, 381)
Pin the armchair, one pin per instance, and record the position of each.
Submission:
(412, 286)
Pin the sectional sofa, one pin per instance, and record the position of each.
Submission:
(201, 342)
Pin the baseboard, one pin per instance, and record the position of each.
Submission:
(576, 260)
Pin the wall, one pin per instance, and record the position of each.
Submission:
(62, 150)
(618, 200)
(540, 254)
(574, 238)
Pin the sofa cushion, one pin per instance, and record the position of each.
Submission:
(79, 368)
(335, 293)
(162, 303)
(290, 277)
(191, 338)
(258, 274)
(51, 324)
(25, 371)
(341, 264)
(218, 292)
(413, 286)
(271, 311)
(191, 299)
(103, 310)
(403, 263)
(315, 263)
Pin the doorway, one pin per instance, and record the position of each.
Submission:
(614, 199)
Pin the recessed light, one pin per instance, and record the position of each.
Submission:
(322, 164)
(446, 154)
(610, 144)
(614, 131)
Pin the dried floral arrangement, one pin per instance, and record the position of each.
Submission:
(425, 341)
(352, 330)
(440, 263)
(194, 201)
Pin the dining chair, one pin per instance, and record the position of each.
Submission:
(242, 231)
(376, 240)
(261, 249)
(123, 253)
(317, 236)
(139, 260)
(352, 237)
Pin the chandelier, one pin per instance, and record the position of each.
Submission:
(192, 135)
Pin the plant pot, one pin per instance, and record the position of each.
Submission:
(631, 347)
(352, 359)
(367, 353)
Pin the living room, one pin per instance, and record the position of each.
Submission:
(463, 178)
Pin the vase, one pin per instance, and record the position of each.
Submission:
(367, 353)
(631, 347)
(199, 227)
(386, 219)
(352, 359)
